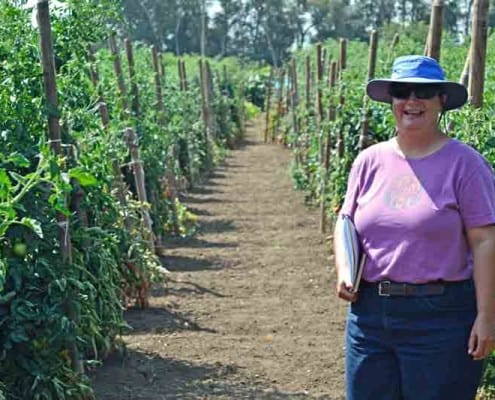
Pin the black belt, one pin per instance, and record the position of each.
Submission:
(388, 288)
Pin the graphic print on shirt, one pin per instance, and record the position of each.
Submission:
(403, 192)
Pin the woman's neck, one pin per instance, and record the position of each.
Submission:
(420, 144)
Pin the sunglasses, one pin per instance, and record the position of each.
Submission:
(422, 91)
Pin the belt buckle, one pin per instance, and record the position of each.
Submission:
(381, 286)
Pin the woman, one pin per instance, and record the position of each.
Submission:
(424, 207)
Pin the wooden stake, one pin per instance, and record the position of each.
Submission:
(117, 65)
(132, 78)
(179, 71)
(158, 84)
(139, 180)
(319, 80)
(372, 55)
(343, 55)
(308, 83)
(333, 82)
(294, 97)
(105, 121)
(184, 75)
(464, 78)
(478, 52)
(169, 174)
(280, 103)
(434, 42)
(363, 138)
(51, 96)
(268, 105)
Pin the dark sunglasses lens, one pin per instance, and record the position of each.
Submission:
(420, 91)
(426, 91)
(400, 91)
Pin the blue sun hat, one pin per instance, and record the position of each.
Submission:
(418, 69)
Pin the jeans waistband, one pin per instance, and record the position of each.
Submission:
(389, 288)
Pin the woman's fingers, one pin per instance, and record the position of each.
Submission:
(481, 341)
(344, 292)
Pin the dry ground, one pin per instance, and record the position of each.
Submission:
(250, 311)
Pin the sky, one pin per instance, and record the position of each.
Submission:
(214, 8)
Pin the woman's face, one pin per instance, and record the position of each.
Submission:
(416, 107)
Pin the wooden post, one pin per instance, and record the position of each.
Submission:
(158, 84)
(319, 79)
(132, 78)
(342, 66)
(395, 41)
(294, 97)
(319, 112)
(332, 83)
(139, 179)
(161, 64)
(268, 104)
(308, 83)
(51, 97)
(327, 149)
(105, 121)
(204, 105)
(184, 75)
(363, 138)
(478, 52)
(117, 65)
(434, 42)
(206, 93)
(372, 55)
(280, 103)
(210, 96)
(179, 71)
(324, 59)
(169, 174)
(464, 78)
(343, 56)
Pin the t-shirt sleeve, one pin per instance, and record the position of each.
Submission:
(353, 188)
(477, 198)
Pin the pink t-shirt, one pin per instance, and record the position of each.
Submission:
(411, 214)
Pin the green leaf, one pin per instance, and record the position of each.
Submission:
(491, 142)
(34, 225)
(7, 297)
(19, 160)
(18, 177)
(5, 184)
(84, 178)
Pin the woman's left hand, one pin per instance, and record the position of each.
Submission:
(482, 338)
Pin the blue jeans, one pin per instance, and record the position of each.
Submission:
(411, 348)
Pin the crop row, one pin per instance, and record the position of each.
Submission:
(322, 120)
(78, 240)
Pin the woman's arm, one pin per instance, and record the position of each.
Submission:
(482, 244)
(343, 277)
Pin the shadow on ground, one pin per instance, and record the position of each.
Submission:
(157, 320)
(216, 226)
(158, 378)
(175, 263)
(182, 289)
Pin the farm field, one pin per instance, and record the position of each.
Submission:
(249, 311)
(160, 239)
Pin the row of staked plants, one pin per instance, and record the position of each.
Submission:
(57, 312)
(473, 126)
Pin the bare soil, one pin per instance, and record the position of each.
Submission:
(250, 310)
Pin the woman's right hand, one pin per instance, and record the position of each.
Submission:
(344, 291)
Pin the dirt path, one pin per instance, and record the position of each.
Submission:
(250, 312)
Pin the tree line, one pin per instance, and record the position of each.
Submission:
(268, 30)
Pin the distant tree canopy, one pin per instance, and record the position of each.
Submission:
(267, 30)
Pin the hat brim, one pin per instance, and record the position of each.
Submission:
(377, 89)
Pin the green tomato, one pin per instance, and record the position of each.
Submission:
(20, 249)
